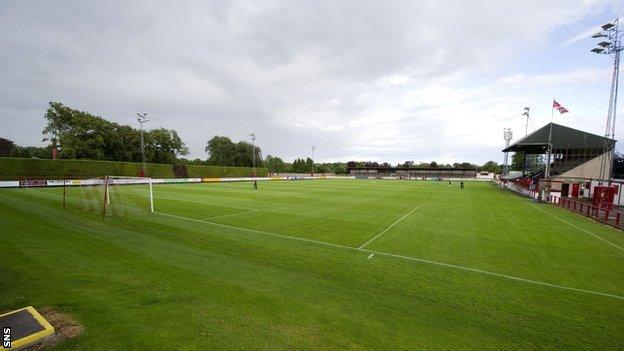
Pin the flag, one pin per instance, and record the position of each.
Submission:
(559, 108)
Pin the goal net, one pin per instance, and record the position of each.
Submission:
(113, 195)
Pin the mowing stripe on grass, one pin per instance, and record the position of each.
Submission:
(389, 227)
(258, 231)
(575, 226)
(564, 221)
(481, 271)
(420, 260)
(230, 214)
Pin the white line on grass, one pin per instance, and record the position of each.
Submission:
(577, 227)
(370, 256)
(230, 214)
(442, 264)
(476, 270)
(571, 224)
(258, 231)
(388, 228)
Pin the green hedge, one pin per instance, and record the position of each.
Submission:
(223, 172)
(30, 168)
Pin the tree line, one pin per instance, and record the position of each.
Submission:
(489, 166)
(75, 134)
(80, 135)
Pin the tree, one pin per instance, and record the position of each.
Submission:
(244, 155)
(81, 135)
(31, 152)
(322, 168)
(164, 145)
(6, 147)
(517, 159)
(339, 168)
(221, 151)
(275, 164)
(309, 164)
(464, 165)
(299, 166)
(491, 166)
(407, 164)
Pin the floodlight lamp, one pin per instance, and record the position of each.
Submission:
(604, 44)
(599, 35)
(597, 50)
(607, 26)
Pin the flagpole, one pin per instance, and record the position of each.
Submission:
(552, 116)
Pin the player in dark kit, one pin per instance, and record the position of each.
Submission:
(461, 185)
(255, 185)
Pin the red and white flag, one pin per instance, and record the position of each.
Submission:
(559, 108)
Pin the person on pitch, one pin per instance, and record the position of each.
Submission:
(255, 185)
(461, 185)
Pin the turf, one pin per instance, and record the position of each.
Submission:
(220, 266)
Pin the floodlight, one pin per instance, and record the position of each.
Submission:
(599, 35)
(607, 26)
(597, 50)
(605, 44)
(142, 117)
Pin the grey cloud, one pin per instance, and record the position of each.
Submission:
(295, 72)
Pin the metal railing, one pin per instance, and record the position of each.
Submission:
(611, 217)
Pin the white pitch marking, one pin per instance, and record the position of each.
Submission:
(577, 227)
(481, 271)
(389, 227)
(229, 214)
(259, 231)
(370, 256)
(442, 264)
(572, 225)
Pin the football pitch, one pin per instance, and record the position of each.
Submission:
(315, 265)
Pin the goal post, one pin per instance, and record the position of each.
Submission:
(124, 194)
(109, 195)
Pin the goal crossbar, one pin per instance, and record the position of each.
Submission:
(125, 180)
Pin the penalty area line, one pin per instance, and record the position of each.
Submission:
(388, 228)
(408, 258)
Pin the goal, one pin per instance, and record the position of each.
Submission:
(111, 195)
(123, 195)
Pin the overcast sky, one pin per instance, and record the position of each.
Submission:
(363, 80)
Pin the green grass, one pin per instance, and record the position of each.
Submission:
(288, 274)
